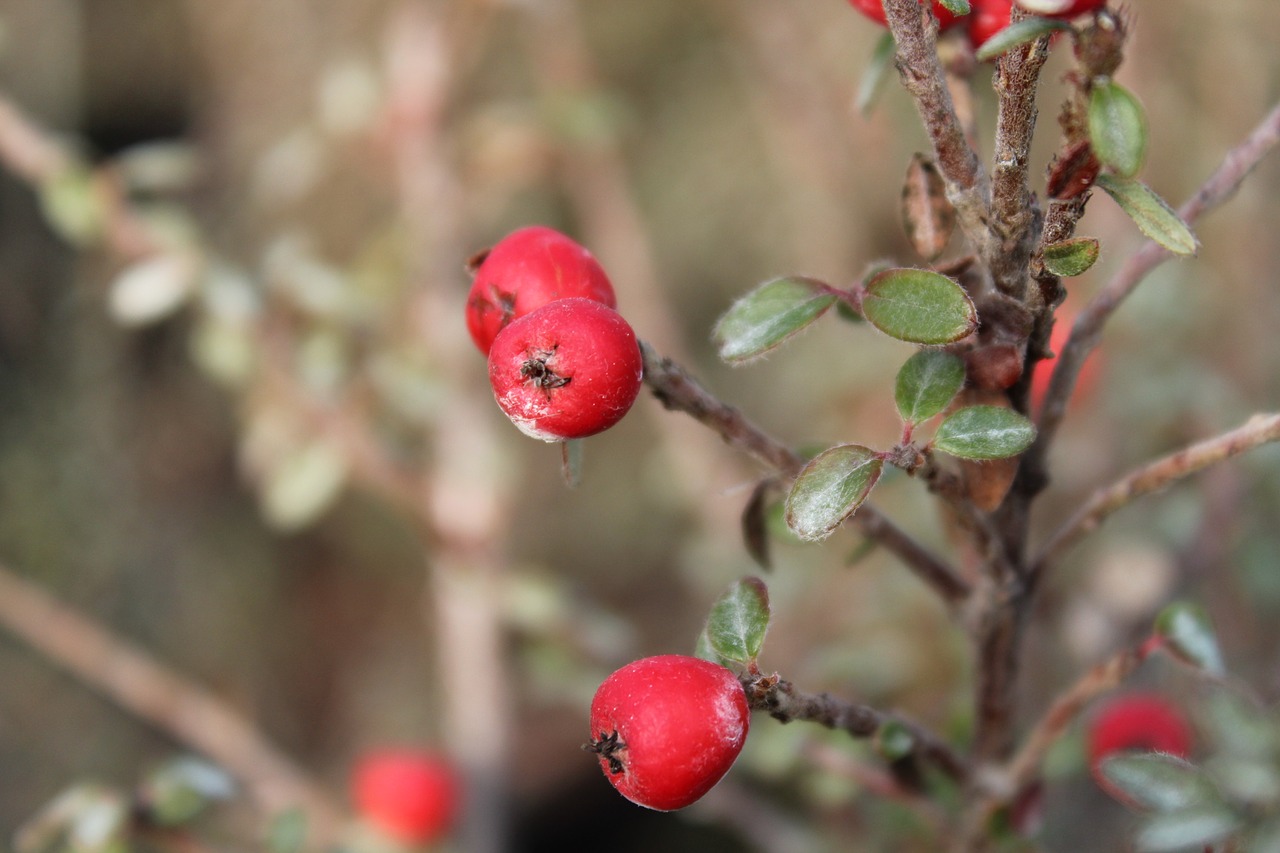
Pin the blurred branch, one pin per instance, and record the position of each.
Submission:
(1087, 331)
(785, 703)
(678, 391)
(1258, 430)
(182, 709)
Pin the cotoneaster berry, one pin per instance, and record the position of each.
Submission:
(527, 269)
(570, 369)
(1144, 722)
(667, 728)
(408, 795)
(991, 16)
(1042, 373)
(874, 10)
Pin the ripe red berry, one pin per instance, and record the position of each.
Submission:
(409, 795)
(874, 10)
(666, 729)
(570, 369)
(1145, 722)
(527, 269)
(991, 16)
(1043, 371)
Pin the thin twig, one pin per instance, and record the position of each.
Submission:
(1154, 476)
(785, 703)
(678, 391)
(148, 689)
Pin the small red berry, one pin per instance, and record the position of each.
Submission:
(874, 10)
(1145, 722)
(667, 728)
(410, 796)
(1042, 373)
(570, 369)
(988, 18)
(525, 270)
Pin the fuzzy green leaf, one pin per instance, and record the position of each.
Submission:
(893, 740)
(768, 315)
(919, 306)
(1156, 781)
(1026, 30)
(1153, 216)
(1073, 257)
(738, 622)
(1189, 636)
(830, 488)
(956, 7)
(1194, 826)
(1117, 127)
(984, 432)
(182, 788)
(928, 381)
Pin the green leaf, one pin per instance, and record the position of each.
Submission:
(755, 524)
(738, 622)
(1156, 781)
(877, 72)
(1153, 216)
(287, 832)
(1117, 127)
(918, 306)
(72, 204)
(984, 432)
(1193, 826)
(1073, 257)
(830, 488)
(894, 740)
(1265, 838)
(182, 788)
(768, 315)
(1026, 30)
(927, 383)
(1189, 636)
(301, 484)
(957, 7)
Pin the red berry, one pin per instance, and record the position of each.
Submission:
(408, 795)
(1043, 371)
(1145, 722)
(570, 369)
(988, 18)
(527, 269)
(667, 728)
(874, 10)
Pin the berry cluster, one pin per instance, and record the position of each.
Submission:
(988, 17)
(562, 362)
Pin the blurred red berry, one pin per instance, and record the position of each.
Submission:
(525, 270)
(1142, 722)
(667, 728)
(410, 796)
(1086, 382)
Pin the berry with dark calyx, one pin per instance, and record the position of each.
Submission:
(874, 10)
(667, 728)
(408, 795)
(1145, 722)
(525, 270)
(568, 370)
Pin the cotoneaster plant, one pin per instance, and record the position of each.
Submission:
(568, 370)
(408, 795)
(667, 728)
(527, 269)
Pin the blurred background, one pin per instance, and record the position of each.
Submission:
(245, 429)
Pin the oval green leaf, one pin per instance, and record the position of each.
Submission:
(877, 72)
(918, 306)
(1117, 127)
(1155, 780)
(1153, 216)
(894, 741)
(1069, 258)
(738, 622)
(957, 7)
(1193, 827)
(768, 315)
(830, 488)
(927, 383)
(1028, 29)
(984, 432)
(1189, 636)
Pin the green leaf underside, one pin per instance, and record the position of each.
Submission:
(918, 306)
(894, 740)
(1117, 127)
(877, 72)
(1013, 35)
(1189, 635)
(738, 622)
(1194, 826)
(957, 7)
(1069, 258)
(1150, 213)
(830, 488)
(768, 315)
(984, 432)
(1157, 781)
(928, 381)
